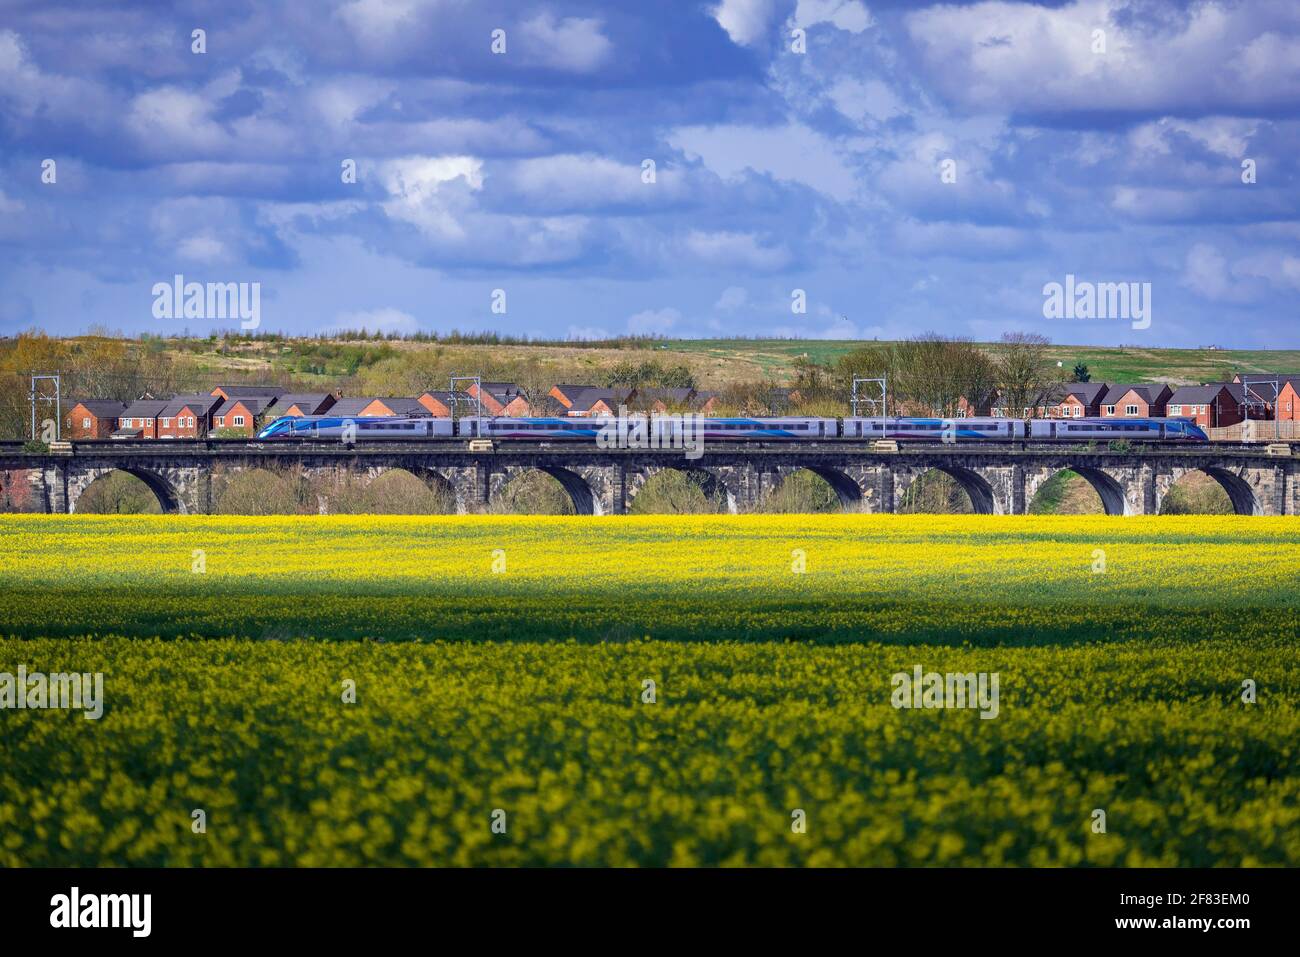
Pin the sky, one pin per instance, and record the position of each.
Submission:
(802, 168)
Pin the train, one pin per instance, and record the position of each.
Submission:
(703, 428)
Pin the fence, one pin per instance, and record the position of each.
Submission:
(1257, 430)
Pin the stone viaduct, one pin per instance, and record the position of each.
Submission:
(999, 480)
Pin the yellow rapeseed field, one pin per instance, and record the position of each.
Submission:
(652, 691)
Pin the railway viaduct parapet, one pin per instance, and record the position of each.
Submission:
(999, 480)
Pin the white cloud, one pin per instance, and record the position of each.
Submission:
(745, 21)
(587, 333)
(733, 297)
(793, 152)
(1206, 273)
(204, 248)
(384, 320)
(861, 100)
(652, 321)
(850, 15)
(376, 22)
(735, 249)
(171, 118)
(1018, 56)
(585, 181)
(1225, 135)
(575, 44)
(427, 190)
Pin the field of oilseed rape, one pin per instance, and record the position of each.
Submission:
(705, 690)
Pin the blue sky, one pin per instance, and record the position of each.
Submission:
(774, 169)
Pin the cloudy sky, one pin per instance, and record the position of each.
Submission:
(909, 167)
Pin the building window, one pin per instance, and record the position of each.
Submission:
(85, 423)
(167, 423)
(1175, 410)
(1110, 410)
(1130, 410)
(148, 423)
(239, 420)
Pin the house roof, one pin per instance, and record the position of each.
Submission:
(102, 408)
(588, 397)
(401, 405)
(1205, 394)
(254, 405)
(264, 391)
(309, 401)
(1088, 392)
(665, 395)
(202, 404)
(445, 395)
(145, 408)
(1150, 392)
(570, 389)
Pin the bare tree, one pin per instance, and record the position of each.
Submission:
(1026, 375)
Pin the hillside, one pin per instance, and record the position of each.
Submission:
(1112, 364)
(714, 362)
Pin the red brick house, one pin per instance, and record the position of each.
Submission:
(92, 418)
(1135, 401)
(301, 403)
(500, 398)
(675, 400)
(1288, 400)
(440, 403)
(187, 417)
(367, 407)
(594, 400)
(1075, 400)
(140, 419)
(1211, 406)
(249, 391)
(242, 414)
(965, 410)
(565, 393)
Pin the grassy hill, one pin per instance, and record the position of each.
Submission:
(404, 367)
(715, 362)
(1112, 364)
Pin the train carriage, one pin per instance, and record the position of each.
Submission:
(911, 428)
(790, 428)
(361, 428)
(1130, 430)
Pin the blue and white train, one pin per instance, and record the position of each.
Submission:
(798, 428)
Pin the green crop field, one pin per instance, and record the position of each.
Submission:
(661, 690)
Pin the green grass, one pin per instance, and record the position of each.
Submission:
(1105, 363)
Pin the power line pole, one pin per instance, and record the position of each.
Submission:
(34, 396)
(871, 401)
